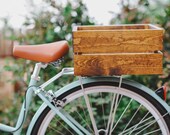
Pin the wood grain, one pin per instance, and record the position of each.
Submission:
(117, 50)
(117, 41)
(114, 27)
(117, 64)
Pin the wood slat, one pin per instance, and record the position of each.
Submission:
(117, 41)
(117, 64)
(114, 27)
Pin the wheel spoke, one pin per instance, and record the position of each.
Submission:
(103, 111)
(139, 123)
(146, 127)
(75, 122)
(139, 127)
(152, 123)
(153, 132)
(58, 121)
(131, 118)
(122, 114)
(115, 105)
(89, 108)
(110, 114)
(81, 117)
(56, 130)
(114, 113)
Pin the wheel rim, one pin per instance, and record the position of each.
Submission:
(145, 122)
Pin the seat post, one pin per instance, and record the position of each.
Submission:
(25, 106)
(35, 76)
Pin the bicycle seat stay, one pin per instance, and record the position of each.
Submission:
(42, 53)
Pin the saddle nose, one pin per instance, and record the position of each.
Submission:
(42, 53)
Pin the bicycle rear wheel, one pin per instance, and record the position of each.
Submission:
(127, 110)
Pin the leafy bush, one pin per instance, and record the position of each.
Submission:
(54, 22)
(47, 24)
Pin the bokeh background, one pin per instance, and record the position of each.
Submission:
(46, 21)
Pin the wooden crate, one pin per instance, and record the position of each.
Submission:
(117, 50)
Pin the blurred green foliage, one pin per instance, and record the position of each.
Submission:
(50, 23)
(54, 22)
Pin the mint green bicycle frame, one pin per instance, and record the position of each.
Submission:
(38, 91)
(33, 89)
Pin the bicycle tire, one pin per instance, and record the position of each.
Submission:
(149, 102)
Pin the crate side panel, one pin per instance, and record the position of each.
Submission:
(137, 64)
(117, 41)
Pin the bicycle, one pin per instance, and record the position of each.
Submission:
(81, 107)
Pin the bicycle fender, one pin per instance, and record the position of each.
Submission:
(92, 80)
